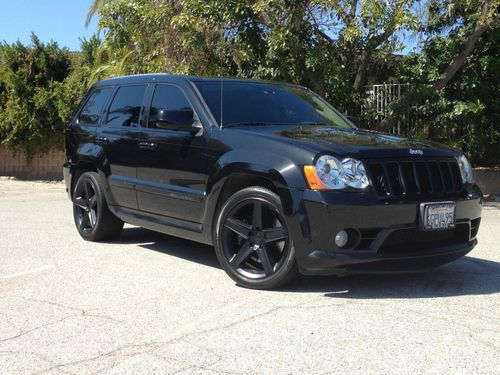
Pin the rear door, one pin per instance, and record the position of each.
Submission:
(174, 167)
(119, 137)
(85, 123)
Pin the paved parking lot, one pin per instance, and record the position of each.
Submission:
(150, 303)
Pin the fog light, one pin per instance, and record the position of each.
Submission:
(341, 238)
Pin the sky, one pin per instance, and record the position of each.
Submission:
(62, 21)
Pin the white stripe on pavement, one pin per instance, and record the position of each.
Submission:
(34, 270)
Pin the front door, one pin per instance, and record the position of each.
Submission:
(174, 164)
(120, 137)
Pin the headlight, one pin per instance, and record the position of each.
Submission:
(331, 173)
(465, 169)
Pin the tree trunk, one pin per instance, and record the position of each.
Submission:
(366, 56)
(458, 60)
(362, 70)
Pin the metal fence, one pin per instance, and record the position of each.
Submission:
(376, 102)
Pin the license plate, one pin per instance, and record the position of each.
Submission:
(437, 216)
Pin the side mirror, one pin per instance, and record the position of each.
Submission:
(353, 119)
(182, 120)
(89, 119)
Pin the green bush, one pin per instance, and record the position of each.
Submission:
(33, 108)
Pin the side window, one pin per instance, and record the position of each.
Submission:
(169, 101)
(91, 111)
(125, 108)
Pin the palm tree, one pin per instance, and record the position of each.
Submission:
(94, 8)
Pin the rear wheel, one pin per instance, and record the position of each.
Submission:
(93, 219)
(252, 240)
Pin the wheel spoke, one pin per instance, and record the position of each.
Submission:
(81, 202)
(275, 234)
(87, 188)
(238, 227)
(242, 254)
(257, 215)
(93, 201)
(264, 259)
(85, 220)
(92, 217)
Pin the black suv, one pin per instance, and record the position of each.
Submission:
(270, 174)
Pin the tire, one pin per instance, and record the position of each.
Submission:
(93, 219)
(252, 240)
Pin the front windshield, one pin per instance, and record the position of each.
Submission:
(254, 103)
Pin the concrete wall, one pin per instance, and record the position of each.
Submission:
(488, 180)
(45, 167)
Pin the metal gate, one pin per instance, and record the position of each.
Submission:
(376, 102)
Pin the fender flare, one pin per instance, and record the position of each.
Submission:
(89, 156)
(286, 177)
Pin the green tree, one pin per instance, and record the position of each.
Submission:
(463, 22)
(328, 45)
(466, 112)
(335, 47)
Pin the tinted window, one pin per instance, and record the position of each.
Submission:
(168, 98)
(263, 103)
(91, 111)
(125, 109)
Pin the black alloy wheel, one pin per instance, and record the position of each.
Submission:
(253, 242)
(93, 219)
(86, 206)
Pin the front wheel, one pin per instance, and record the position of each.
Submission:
(252, 240)
(93, 219)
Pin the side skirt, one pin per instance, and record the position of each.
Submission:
(163, 224)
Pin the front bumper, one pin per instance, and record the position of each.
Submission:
(389, 239)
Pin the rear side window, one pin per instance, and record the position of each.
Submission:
(167, 98)
(91, 111)
(125, 109)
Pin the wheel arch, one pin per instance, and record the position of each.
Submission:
(234, 176)
(87, 158)
(78, 170)
(231, 177)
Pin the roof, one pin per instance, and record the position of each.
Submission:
(164, 77)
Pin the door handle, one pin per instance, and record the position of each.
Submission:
(147, 145)
(100, 139)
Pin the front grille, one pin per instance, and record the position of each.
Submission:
(418, 179)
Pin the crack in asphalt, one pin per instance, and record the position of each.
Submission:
(41, 356)
(21, 334)
(82, 313)
(113, 353)
(158, 344)
(53, 303)
(148, 347)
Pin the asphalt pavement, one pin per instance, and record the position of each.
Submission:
(151, 303)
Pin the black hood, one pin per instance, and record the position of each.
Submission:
(364, 143)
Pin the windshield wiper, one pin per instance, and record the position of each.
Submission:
(313, 123)
(263, 123)
(247, 123)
